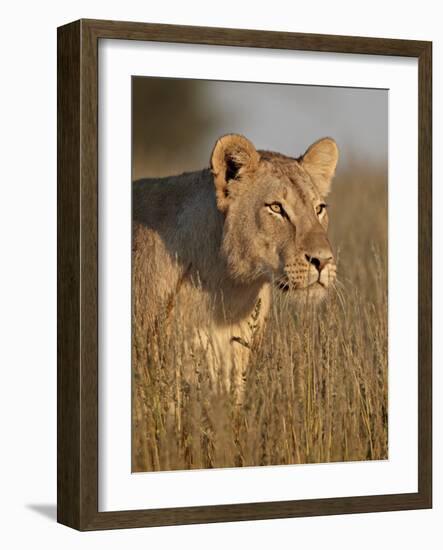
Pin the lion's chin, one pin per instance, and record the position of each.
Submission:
(315, 292)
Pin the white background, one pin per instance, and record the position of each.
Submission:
(28, 274)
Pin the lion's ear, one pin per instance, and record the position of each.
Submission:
(320, 161)
(233, 157)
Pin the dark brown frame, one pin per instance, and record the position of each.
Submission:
(77, 456)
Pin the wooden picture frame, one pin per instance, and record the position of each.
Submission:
(77, 457)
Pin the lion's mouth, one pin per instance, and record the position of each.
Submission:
(285, 286)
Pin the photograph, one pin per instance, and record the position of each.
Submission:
(244, 274)
(217, 275)
(259, 274)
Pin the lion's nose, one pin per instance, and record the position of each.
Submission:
(318, 262)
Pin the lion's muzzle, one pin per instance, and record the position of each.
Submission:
(322, 270)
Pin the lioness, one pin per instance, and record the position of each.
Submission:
(210, 244)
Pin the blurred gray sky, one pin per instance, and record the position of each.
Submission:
(288, 118)
(176, 122)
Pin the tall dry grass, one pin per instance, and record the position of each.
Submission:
(316, 387)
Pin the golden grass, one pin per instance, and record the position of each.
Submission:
(316, 388)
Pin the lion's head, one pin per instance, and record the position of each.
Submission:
(275, 213)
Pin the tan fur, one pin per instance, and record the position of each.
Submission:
(210, 245)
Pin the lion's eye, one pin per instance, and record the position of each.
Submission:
(277, 208)
(321, 208)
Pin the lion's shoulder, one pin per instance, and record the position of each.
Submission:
(160, 200)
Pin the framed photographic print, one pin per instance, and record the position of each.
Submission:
(244, 275)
